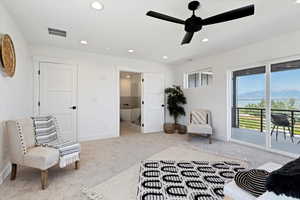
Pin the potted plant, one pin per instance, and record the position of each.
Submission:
(175, 101)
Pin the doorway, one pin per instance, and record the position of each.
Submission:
(141, 102)
(130, 103)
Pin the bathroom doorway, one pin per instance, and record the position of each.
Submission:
(130, 103)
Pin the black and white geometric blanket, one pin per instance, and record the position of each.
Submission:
(185, 180)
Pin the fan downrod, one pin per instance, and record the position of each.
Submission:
(194, 5)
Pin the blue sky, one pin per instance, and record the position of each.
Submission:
(284, 80)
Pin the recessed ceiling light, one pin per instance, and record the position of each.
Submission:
(130, 50)
(297, 1)
(97, 5)
(205, 40)
(84, 42)
(165, 57)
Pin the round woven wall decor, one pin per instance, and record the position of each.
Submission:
(7, 55)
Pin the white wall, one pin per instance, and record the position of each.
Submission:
(97, 87)
(215, 96)
(125, 87)
(16, 92)
(136, 85)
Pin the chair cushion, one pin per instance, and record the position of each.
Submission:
(199, 128)
(41, 157)
(199, 117)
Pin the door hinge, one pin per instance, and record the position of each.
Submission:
(143, 80)
(39, 104)
(39, 72)
(142, 125)
(143, 102)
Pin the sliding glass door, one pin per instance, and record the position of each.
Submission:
(266, 106)
(248, 110)
(285, 104)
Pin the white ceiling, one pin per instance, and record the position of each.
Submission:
(123, 25)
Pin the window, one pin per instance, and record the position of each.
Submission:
(198, 79)
(193, 80)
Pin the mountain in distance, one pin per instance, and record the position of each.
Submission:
(282, 94)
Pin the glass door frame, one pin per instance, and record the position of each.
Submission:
(268, 139)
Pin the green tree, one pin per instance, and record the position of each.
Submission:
(175, 100)
(289, 104)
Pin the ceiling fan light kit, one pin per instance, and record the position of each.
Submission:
(194, 23)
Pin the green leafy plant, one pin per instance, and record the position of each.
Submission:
(175, 101)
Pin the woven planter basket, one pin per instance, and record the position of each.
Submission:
(181, 129)
(169, 128)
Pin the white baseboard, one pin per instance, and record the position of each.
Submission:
(5, 173)
(96, 137)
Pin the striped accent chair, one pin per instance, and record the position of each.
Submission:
(200, 123)
(35, 143)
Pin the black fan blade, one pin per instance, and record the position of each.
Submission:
(187, 38)
(231, 15)
(165, 17)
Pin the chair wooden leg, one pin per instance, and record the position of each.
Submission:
(77, 164)
(44, 179)
(210, 139)
(13, 174)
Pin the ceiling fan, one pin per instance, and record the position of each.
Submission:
(194, 24)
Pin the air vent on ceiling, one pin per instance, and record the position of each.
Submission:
(57, 32)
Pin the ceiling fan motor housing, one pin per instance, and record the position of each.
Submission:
(194, 5)
(193, 24)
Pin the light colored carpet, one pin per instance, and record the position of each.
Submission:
(124, 185)
(103, 159)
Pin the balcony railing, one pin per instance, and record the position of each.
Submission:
(254, 118)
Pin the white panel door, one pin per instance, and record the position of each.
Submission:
(58, 95)
(153, 99)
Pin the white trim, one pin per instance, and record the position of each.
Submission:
(268, 138)
(5, 173)
(96, 137)
(229, 105)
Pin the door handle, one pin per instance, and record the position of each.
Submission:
(73, 107)
(162, 105)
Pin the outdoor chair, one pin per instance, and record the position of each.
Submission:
(282, 120)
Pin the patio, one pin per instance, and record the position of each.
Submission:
(258, 138)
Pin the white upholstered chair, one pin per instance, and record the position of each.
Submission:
(200, 123)
(24, 152)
